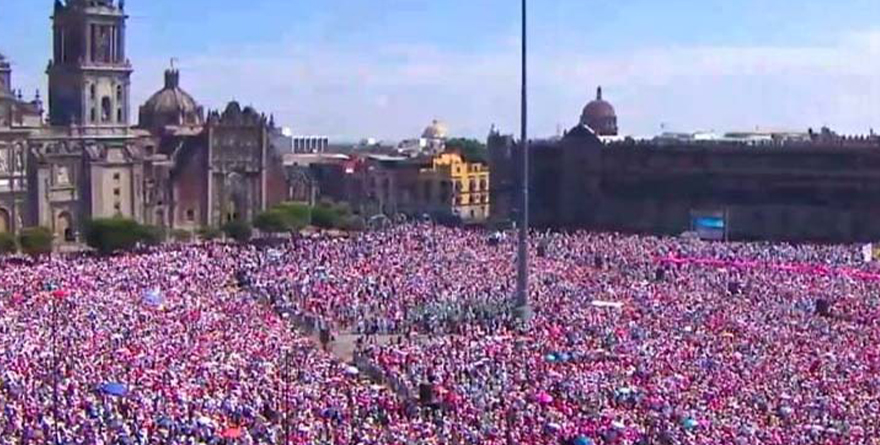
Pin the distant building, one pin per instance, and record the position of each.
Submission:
(435, 136)
(770, 186)
(310, 144)
(470, 187)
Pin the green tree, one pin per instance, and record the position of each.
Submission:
(297, 215)
(353, 223)
(7, 243)
(272, 221)
(209, 233)
(471, 150)
(325, 216)
(240, 231)
(108, 235)
(152, 235)
(36, 241)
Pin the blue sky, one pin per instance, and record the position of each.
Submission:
(385, 68)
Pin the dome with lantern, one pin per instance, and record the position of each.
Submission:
(599, 116)
(171, 106)
(437, 130)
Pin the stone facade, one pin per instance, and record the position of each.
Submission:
(824, 189)
(178, 169)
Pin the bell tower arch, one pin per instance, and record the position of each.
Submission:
(89, 74)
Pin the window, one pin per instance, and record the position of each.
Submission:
(117, 206)
(116, 176)
(190, 215)
(119, 115)
(119, 93)
(116, 192)
(92, 92)
(92, 115)
(106, 109)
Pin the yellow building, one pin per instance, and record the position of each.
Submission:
(469, 183)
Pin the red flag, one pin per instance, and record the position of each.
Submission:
(60, 294)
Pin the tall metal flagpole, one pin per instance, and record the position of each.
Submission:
(522, 282)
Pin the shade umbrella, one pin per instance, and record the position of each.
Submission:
(115, 389)
(153, 297)
(231, 433)
(583, 440)
(545, 398)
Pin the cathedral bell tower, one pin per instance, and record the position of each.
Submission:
(89, 75)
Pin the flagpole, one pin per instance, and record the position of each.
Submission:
(55, 372)
(522, 283)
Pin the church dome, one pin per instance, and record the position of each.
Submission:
(437, 130)
(171, 106)
(600, 116)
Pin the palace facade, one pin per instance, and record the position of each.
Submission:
(814, 186)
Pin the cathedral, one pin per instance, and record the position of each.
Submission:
(180, 167)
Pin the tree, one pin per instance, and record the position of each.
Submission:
(471, 150)
(181, 236)
(353, 223)
(240, 231)
(7, 243)
(209, 233)
(272, 221)
(36, 241)
(296, 215)
(325, 216)
(152, 235)
(108, 235)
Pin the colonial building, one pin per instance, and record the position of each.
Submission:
(446, 186)
(820, 188)
(179, 168)
(470, 187)
(207, 171)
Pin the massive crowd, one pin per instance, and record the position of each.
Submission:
(634, 340)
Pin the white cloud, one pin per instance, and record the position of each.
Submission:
(394, 91)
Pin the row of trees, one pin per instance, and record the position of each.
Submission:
(118, 234)
(292, 217)
(32, 241)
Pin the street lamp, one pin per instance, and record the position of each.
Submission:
(523, 308)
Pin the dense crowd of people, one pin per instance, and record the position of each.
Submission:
(634, 340)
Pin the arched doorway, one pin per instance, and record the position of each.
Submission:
(64, 226)
(5, 225)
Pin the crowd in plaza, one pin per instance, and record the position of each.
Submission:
(634, 340)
